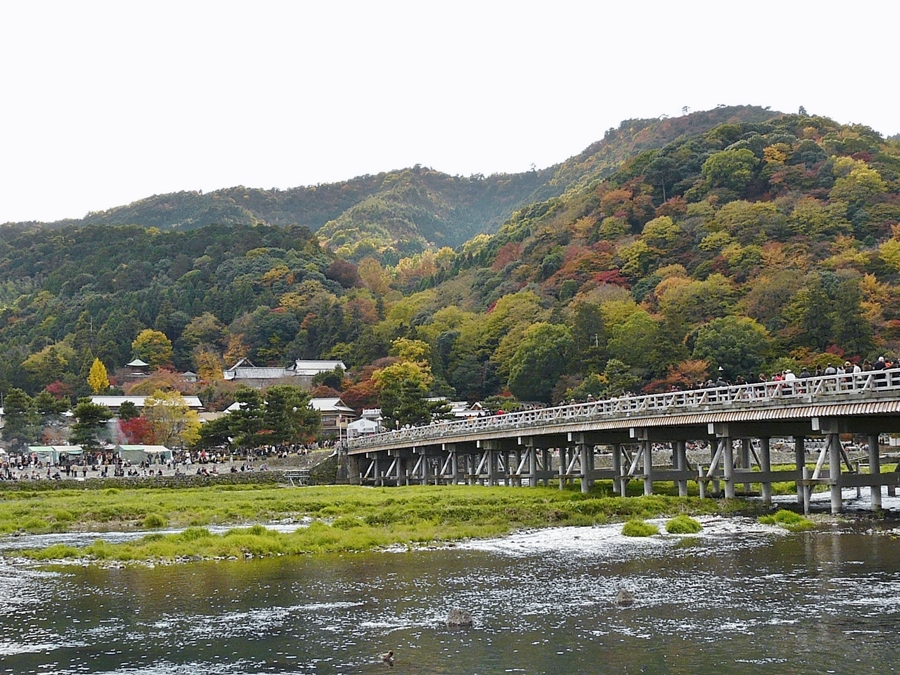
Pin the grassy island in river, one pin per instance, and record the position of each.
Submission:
(344, 518)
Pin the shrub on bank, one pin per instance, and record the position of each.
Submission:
(789, 520)
(639, 528)
(683, 525)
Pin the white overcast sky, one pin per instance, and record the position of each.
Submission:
(104, 103)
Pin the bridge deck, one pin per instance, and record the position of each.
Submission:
(871, 394)
(736, 423)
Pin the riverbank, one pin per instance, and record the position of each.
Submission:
(335, 518)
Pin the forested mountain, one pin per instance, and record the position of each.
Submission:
(399, 213)
(747, 245)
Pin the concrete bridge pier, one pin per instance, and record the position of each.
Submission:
(647, 457)
(353, 472)
(547, 465)
(874, 469)
(563, 462)
(532, 467)
(746, 451)
(454, 467)
(765, 467)
(679, 457)
(800, 458)
(618, 481)
(587, 466)
(834, 471)
(379, 476)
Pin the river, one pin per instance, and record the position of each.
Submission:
(738, 598)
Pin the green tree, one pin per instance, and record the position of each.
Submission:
(48, 407)
(809, 316)
(153, 347)
(402, 393)
(128, 411)
(619, 377)
(90, 419)
(20, 420)
(541, 358)
(852, 332)
(661, 233)
(49, 364)
(639, 343)
(737, 344)
(98, 380)
(734, 169)
(245, 423)
(287, 417)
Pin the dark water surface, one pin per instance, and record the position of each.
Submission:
(740, 598)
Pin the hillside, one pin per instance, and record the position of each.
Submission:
(750, 246)
(398, 213)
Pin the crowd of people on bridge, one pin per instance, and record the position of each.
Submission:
(788, 375)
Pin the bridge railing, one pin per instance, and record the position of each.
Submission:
(812, 389)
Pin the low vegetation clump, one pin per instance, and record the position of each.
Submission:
(789, 520)
(154, 521)
(683, 525)
(639, 528)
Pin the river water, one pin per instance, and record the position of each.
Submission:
(738, 598)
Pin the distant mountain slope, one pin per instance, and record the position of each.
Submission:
(752, 246)
(401, 212)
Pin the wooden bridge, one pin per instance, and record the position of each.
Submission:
(736, 423)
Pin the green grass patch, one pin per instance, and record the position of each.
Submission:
(683, 525)
(639, 528)
(154, 521)
(361, 518)
(55, 552)
(789, 520)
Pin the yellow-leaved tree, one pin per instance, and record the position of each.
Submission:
(171, 419)
(98, 379)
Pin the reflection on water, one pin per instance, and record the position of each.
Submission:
(739, 598)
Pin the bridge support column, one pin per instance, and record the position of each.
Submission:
(402, 476)
(454, 467)
(875, 470)
(830, 427)
(532, 467)
(745, 460)
(470, 469)
(834, 471)
(679, 450)
(765, 466)
(563, 462)
(618, 484)
(548, 466)
(800, 458)
(517, 476)
(728, 465)
(425, 469)
(379, 479)
(587, 466)
(353, 472)
(647, 451)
